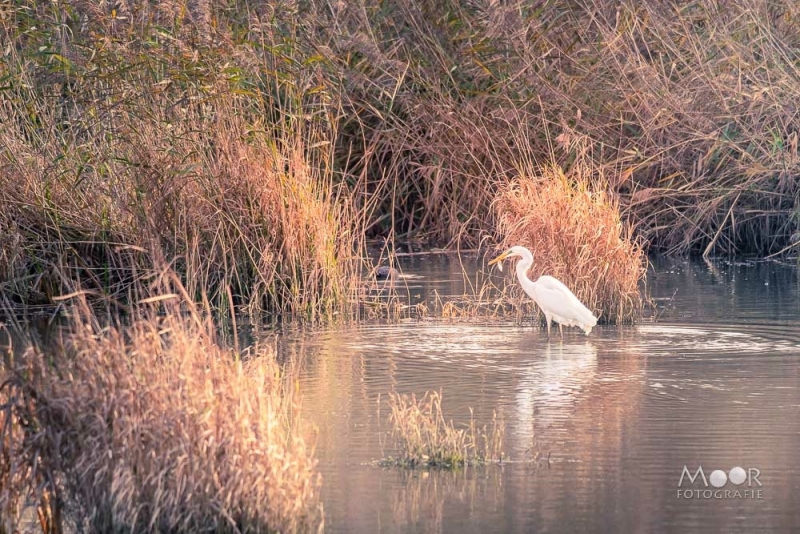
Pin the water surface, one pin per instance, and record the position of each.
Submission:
(616, 415)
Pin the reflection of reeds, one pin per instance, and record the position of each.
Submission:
(426, 439)
(153, 428)
(420, 497)
(482, 301)
(574, 229)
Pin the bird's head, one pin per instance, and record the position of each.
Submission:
(513, 252)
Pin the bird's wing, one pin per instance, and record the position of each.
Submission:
(559, 300)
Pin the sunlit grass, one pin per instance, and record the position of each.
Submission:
(576, 233)
(255, 150)
(426, 439)
(137, 147)
(153, 427)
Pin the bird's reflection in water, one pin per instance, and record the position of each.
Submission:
(549, 388)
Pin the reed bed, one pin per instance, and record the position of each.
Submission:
(574, 229)
(130, 137)
(687, 109)
(256, 147)
(708, 138)
(426, 439)
(153, 427)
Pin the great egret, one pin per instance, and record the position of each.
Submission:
(555, 299)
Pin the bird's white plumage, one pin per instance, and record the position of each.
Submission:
(556, 301)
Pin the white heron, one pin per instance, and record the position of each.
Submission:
(558, 303)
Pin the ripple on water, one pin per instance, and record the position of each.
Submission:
(711, 339)
(621, 411)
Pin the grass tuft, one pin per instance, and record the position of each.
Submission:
(426, 439)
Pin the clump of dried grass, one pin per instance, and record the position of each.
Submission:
(30, 494)
(574, 230)
(154, 427)
(426, 439)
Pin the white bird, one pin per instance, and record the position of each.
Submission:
(555, 299)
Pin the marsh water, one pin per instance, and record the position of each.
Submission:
(598, 429)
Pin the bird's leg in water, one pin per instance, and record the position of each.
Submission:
(561, 330)
(547, 319)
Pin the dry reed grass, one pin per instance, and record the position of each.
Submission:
(255, 147)
(153, 427)
(426, 439)
(707, 137)
(124, 144)
(688, 110)
(574, 229)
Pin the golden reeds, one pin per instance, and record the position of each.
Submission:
(426, 439)
(256, 149)
(153, 427)
(687, 109)
(128, 151)
(574, 229)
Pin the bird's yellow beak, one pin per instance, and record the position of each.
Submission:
(499, 258)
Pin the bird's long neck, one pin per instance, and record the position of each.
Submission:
(523, 265)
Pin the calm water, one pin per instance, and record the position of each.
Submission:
(714, 382)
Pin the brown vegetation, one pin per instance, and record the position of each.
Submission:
(426, 439)
(574, 230)
(687, 109)
(255, 147)
(154, 429)
(123, 144)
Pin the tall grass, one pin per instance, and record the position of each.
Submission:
(706, 132)
(132, 136)
(574, 229)
(153, 427)
(687, 109)
(255, 146)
